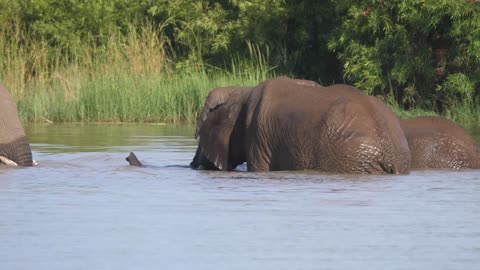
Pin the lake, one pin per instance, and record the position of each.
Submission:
(84, 207)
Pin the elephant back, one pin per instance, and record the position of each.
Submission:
(380, 140)
(337, 129)
(436, 142)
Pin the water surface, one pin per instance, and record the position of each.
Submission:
(83, 207)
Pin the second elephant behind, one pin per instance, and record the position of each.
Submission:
(285, 124)
(438, 143)
(14, 146)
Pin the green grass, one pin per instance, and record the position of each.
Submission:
(411, 113)
(127, 98)
(131, 79)
(466, 112)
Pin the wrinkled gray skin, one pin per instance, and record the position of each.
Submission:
(285, 124)
(438, 143)
(13, 142)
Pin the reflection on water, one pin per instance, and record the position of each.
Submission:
(108, 137)
(83, 207)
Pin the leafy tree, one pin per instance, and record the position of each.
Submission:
(309, 26)
(418, 51)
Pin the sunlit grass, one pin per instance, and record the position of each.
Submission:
(131, 79)
(127, 98)
(466, 112)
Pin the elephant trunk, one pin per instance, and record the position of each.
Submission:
(201, 162)
(133, 160)
(18, 151)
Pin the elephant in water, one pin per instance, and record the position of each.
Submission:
(14, 146)
(133, 160)
(438, 143)
(286, 124)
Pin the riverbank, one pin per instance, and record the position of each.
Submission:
(131, 79)
(156, 98)
(124, 98)
(150, 98)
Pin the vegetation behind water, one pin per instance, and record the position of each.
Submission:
(130, 79)
(125, 60)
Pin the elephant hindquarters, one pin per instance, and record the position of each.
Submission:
(18, 151)
(396, 158)
(369, 156)
(365, 139)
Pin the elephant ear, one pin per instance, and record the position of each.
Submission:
(216, 125)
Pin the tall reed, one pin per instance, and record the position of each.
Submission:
(130, 78)
(466, 112)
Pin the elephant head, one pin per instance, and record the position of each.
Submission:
(13, 142)
(220, 130)
(220, 124)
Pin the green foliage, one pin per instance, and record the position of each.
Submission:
(458, 84)
(126, 98)
(411, 48)
(196, 31)
(420, 55)
(129, 79)
(67, 23)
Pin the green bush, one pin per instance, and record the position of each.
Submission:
(421, 52)
(422, 55)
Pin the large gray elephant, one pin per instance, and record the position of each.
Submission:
(14, 146)
(438, 143)
(285, 124)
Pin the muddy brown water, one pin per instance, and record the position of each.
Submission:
(83, 207)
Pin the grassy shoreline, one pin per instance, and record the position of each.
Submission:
(125, 99)
(131, 79)
(156, 99)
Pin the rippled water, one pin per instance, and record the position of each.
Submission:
(83, 207)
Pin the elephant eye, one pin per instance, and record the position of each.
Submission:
(214, 108)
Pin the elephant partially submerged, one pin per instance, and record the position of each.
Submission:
(285, 124)
(438, 143)
(14, 146)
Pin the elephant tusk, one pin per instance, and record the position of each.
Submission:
(34, 162)
(7, 161)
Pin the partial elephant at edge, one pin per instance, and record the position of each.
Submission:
(439, 143)
(14, 145)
